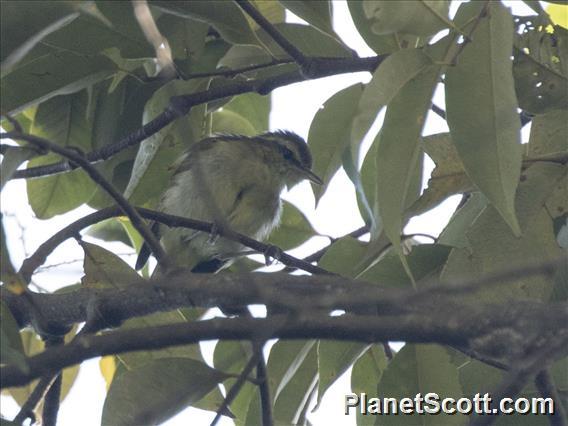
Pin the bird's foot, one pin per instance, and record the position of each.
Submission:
(213, 234)
(271, 254)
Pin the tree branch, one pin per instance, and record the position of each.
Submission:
(99, 179)
(181, 105)
(458, 325)
(40, 255)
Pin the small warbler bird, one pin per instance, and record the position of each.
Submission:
(232, 181)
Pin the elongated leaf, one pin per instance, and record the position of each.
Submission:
(425, 261)
(306, 38)
(447, 178)
(51, 74)
(365, 377)
(255, 108)
(381, 44)
(105, 269)
(23, 24)
(549, 133)
(388, 80)
(156, 391)
(398, 150)
(11, 347)
(231, 357)
(343, 256)
(152, 168)
(32, 346)
(293, 230)
(487, 237)
(317, 13)
(481, 109)
(421, 18)
(329, 134)
(226, 17)
(334, 359)
(13, 157)
(226, 121)
(63, 121)
(421, 369)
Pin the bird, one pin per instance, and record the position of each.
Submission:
(233, 181)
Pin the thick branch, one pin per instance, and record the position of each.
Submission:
(446, 326)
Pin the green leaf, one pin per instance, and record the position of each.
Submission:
(225, 17)
(227, 121)
(329, 134)
(540, 67)
(425, 261)
(422, 18)
(152, 168)
(231, 357)
(153, 393)
(33, 345)
(53, 73)
(365, 376)
(454, 234)
(396, 71)
(290, 402)
(343, 256)
(105, 269)
(24, 24)
(334, 359)
(116, 115)
(290, 365)
(13, 157)
(293, 230)
(481, 110)
(488, 236)
(317, 13)
(11, 347)
(447, 178)
(479, 378)
(549, 133)
(109, 230)
(185, 36)
(255, 108)
(398, 150)
(307, 39)
(113, 26)
(62, 120)
(421, 369)
(381, 44)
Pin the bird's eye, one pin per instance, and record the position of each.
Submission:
(288, 155)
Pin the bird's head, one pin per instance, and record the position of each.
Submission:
(290, 156)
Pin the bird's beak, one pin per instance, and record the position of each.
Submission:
(311, 176)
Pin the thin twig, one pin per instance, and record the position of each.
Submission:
(37, 259)
(51, 400)
(263, 387)
(236, 388)
(230, 72)
(276, 35)
(100, 180)
(31, 403)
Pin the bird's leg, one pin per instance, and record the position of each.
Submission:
(271, 254)
(214, 233)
